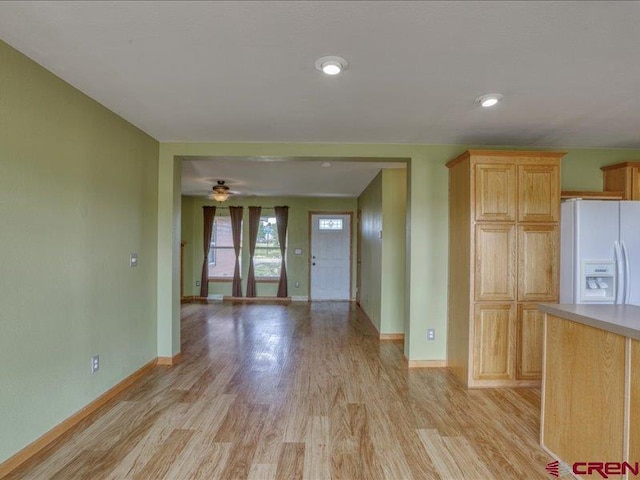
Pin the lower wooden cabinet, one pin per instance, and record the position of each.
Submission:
(493, 341)
(583, 397)
(529, 338)
(507, 344)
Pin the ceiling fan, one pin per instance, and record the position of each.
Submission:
(220, 191)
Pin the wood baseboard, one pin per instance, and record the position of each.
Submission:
(56, 432)
(368, 319)
(383, 337)
(425, 363)
(392, 337)
(283, 300)
(177, 358)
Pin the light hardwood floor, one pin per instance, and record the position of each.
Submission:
(301, 391)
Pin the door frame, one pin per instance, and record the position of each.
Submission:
(311, 213)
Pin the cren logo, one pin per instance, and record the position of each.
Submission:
(558, 469)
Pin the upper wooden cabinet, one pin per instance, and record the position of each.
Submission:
(495, 198)
(504, 210)
(538, 193)
(623, 177)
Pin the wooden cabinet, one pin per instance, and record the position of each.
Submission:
(504, 209)
(538, 263)
(495, 262)
(493, 325)
(529, 338)
(623, 177)
(538, 193)
(583, 399)
(495, 192)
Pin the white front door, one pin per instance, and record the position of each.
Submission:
(330, 257)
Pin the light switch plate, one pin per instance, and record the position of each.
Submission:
(133, 260)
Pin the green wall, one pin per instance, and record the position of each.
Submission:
(297, 237)
(78, 194)
(370, 207)
(383, 208)
(394, 213)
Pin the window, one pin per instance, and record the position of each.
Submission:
(267, 258)
(330, 224)
(222, 258)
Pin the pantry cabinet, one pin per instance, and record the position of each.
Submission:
(504, 211)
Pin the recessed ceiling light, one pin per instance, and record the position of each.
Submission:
(489, 99)
(331, 65)
(326, 164)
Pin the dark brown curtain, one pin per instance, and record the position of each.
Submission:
(236, 231)
(208, 213)
(254, 225)
(282, 220)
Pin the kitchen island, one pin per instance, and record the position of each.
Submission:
(591, 386)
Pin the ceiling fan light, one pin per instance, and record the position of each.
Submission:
(220, 196)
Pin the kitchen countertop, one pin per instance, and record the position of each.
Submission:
(619, 319)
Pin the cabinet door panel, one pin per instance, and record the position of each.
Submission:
(538, 260)
(615, 180)
(635, 183)
(493, 344)
(495, 186)
(495, 262)
(539, 193)
(529, 335)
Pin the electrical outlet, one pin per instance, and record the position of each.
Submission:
(95, 363)
(197, 283)
(297, 284)
(431, 334)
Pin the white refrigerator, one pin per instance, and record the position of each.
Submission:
(600, 252)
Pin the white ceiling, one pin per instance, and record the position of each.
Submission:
(244, 71)
(291, 176)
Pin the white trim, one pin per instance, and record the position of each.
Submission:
(300, 298)
(215, 296)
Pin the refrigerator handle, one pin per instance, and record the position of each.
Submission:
(620, 276)
(627, 275)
